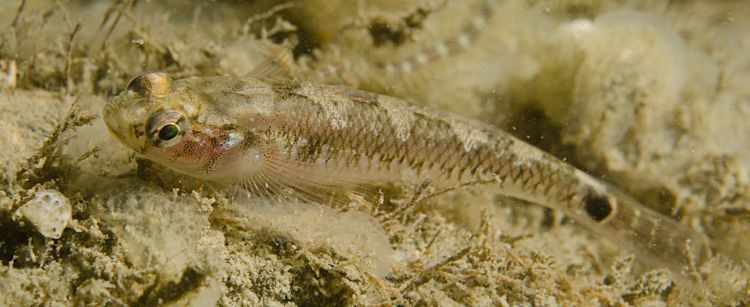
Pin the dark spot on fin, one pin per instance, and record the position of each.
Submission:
(597, 206)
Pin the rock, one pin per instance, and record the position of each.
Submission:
(49, 211)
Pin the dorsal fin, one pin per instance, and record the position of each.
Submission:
(279, 65)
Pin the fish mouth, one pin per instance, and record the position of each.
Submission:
(109, 115)
(120, 117)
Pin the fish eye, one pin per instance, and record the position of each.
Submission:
(167, 127)
(169, 132)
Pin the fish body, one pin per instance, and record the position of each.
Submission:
(271, 136)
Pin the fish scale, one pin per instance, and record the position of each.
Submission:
(317, 139)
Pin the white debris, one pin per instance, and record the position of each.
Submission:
(8, 74)
(49, 211)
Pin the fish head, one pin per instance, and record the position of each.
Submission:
(153, 112)
(190, 125)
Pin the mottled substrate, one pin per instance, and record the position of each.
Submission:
(653, 100)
